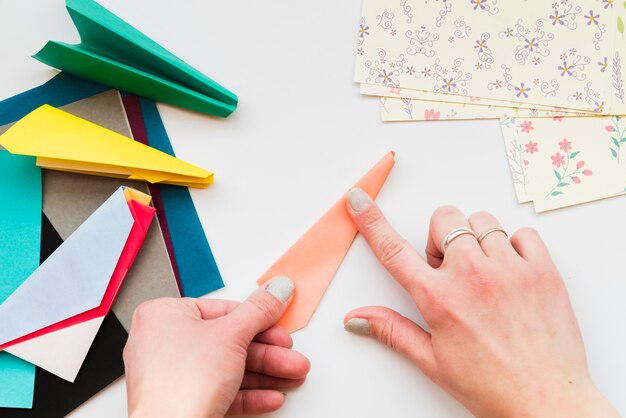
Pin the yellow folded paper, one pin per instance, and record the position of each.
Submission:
(62, 141)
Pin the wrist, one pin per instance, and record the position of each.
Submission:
(157, 412)
(572, 401)
(170, 409)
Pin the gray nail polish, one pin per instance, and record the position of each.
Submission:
(358, 326)
(359, 200)
(281, 288)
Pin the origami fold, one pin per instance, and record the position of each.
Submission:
(62, 141)
(52, 319)
(315, 258)
(116, 54)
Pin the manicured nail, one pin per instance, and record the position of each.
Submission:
(281, 288)
(358, 326)
(359, 200)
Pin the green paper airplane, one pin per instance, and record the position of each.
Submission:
(114, 53)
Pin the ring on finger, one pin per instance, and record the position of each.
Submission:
(484, 234)
(454, 234)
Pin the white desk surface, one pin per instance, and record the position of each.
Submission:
(300, 137)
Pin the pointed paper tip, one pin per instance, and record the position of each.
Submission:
(374, 179)
(134, 194)
(143, 214)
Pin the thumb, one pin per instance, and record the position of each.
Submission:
(264, 307)
(395, 331)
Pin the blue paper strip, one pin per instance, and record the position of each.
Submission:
(59, 91)
(197, 268)
(20, 244)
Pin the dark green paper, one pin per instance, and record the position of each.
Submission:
(114, 53)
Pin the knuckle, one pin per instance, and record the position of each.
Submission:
(145, 309)
(481, 217)
(470, 267)
(241, 402)
(390, 249)
(149, 309)
(547, 279)
(126, 354)
(444, 212)
(485, 285)
(265, 306)
(370, 218)
(524, 234)
(388, 332)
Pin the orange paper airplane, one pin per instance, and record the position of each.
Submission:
(314, 259)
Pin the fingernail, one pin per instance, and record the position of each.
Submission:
(358, 326)
(359, 200)
(281, 288)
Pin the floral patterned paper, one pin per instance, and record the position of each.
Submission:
(399, 110)
(558, 162)
(393, 91)
(562, 53)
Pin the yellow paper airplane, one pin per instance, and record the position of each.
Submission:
(62, 141)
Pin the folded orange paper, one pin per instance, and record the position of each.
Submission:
(315, 258)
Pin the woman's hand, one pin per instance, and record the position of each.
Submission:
(209, 358)
(502, 335)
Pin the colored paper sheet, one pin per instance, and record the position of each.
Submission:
(20, 220)
(55, 397)
(399, 104)
(197, 268)
(562, 162)
(66, 142)
(315, 258)
(429, 96)
(151, 275)
(59, 91)
(568, 54)
(402, 110)
(20, 236)
(62, 352)
(114, 53)
(75, 278)
(17, 382)
(61, 348)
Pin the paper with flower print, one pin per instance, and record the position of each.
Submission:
(558, 162)
(393, 91)
(563, 53)
(401, 109)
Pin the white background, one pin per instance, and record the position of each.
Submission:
(301, 137)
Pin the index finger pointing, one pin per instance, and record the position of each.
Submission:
(393, 251)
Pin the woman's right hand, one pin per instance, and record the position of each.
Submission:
(502, 337)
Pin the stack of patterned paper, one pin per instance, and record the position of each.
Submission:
(548, 69)
(479, 59)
